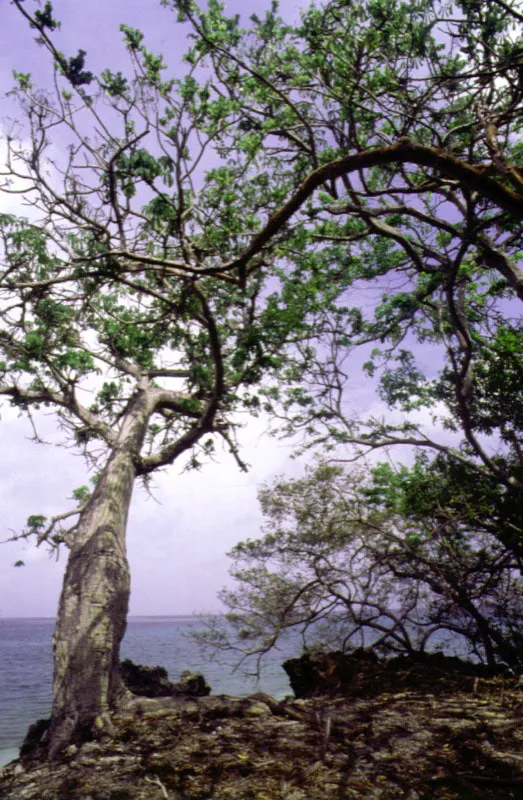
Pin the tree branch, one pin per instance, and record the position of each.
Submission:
(476, 178)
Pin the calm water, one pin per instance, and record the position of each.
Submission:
(26, 668)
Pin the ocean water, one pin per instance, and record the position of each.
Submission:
(26, 668)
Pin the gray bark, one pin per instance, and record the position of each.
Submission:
(95, 594)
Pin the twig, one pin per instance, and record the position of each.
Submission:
(158, 782)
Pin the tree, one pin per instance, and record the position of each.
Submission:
(114, 290)
(424, 260)
(410, 119)
(186, 230)
(428, 276)
(339, 569)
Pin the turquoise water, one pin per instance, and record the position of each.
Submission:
(26, 668)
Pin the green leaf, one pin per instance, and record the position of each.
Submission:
(82, 494)
(35, 522)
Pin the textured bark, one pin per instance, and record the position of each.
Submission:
(95, 594)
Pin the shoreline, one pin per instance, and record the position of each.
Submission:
(400, 745)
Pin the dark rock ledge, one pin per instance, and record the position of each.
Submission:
(465, 741)
(154, 682)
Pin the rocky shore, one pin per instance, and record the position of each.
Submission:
(433, 729)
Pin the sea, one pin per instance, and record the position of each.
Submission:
(26, 668)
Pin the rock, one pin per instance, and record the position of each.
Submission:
(402, 746)
(192, 683)
(33, 746)
(154, 682)
(378, 743)
(145, 681)
(327, 673)
(362, 674)
(257, 709)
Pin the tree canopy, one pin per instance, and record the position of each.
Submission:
(337, 569)
(402, 100)
(198, 244)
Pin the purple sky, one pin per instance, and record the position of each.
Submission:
(178, 540)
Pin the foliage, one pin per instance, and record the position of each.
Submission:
(416, 261)
(411, 114)
(125, 275)
(344, 568)
(421, 264)
(375, 144)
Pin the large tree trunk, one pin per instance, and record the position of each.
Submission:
(95, 595)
